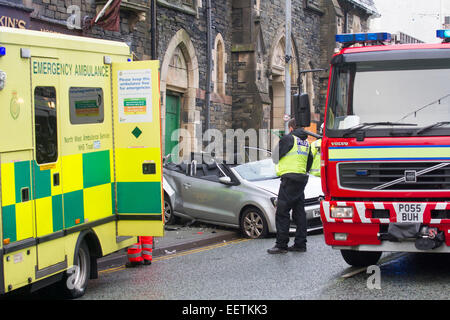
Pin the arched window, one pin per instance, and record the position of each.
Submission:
(219, 76)
(308, 86)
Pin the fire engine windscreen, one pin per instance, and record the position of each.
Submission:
(406, 92)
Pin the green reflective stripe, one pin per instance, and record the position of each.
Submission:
(42, 182)
(96, 169)
(22, 179)
(9, 223)
(73, 208)
(139, 197)
(57, 206)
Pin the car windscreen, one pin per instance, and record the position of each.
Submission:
(257, 170)
(382, 97)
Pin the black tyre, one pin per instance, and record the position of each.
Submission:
(75, 281)
(361, 258)
(169, 217)
(253, 224)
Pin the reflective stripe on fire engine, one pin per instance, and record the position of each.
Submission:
(361, 207)
(440, 152)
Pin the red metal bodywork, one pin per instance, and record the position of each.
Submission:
(362, 229)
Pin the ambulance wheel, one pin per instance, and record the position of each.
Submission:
(361, 258)
(75, 282)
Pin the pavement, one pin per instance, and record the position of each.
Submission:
(180, 237)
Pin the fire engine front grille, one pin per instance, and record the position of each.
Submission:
(392, 176)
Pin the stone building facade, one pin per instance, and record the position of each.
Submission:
(240, 75)
(186, 91)
(258, 58)
(340, 16)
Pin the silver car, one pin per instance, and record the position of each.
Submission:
(240, 196)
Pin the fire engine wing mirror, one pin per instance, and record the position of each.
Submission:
(302, 110)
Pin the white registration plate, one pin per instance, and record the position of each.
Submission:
(410, 212)
(316, 213)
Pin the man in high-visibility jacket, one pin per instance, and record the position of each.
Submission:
(293, 160)
(315, 150)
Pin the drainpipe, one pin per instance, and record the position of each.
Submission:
(153, 30)
(209, 63)
(287, 68)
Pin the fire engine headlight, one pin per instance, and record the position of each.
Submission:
(341, 212)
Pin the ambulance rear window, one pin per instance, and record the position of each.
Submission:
(86, 105)
(45, 125)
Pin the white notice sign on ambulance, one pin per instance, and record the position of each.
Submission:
(135, 96)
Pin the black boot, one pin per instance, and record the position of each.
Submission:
(277, 250)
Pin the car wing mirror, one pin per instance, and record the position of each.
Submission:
(225, 180)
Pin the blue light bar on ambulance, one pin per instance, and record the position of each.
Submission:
(2, 51)
(443, 34)
(363, 37)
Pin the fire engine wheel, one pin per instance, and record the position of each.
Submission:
(253, 224)
(75, 282)
(361, 258)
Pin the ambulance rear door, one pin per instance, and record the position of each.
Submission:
(137, 159)
(46, 168)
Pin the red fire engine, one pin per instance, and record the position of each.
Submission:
(385, 153)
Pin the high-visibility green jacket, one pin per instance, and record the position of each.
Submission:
(315, 150)
(295, 161)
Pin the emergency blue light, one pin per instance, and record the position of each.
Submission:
(2, 51)
(363, 37)
(443, 34)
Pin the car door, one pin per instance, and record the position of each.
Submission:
(206, 198)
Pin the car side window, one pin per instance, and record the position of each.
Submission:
(211, 172)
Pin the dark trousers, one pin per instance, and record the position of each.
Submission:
(291, 196)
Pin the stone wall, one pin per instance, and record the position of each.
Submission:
(258, 59)
(132, 31)
(171, 19)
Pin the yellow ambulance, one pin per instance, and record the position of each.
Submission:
(80, 156)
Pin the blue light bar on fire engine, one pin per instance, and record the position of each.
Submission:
(363, 37)
(443, 34)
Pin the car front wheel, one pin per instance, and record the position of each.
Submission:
(169, 217)
(253, 224)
